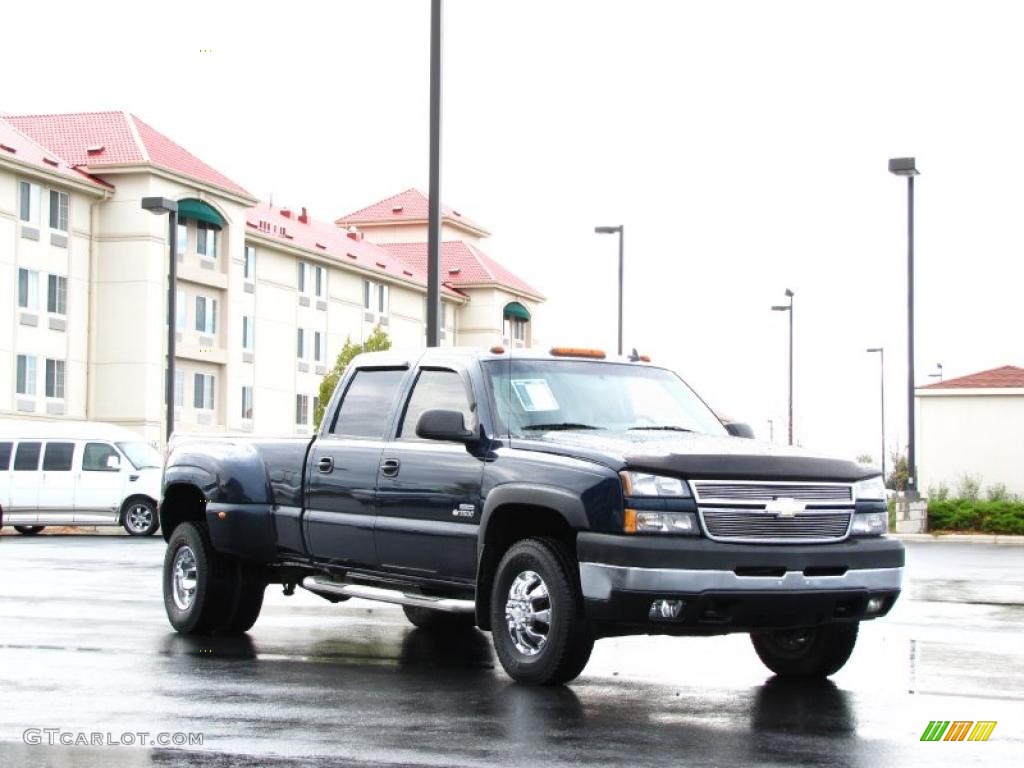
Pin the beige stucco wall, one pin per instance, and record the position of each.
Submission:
(415, 233)
(974, 434)
(481, 321)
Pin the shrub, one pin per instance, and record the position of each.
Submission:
(1004, 517)
(968, 487)
(997, 492)
(938, 492)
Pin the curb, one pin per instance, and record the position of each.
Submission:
(962, 538)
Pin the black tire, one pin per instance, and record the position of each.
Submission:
(139, 517)
(807, 652)
(211, 602)
(29, 530)
(439, 621)
(569, 638)
(250, 584)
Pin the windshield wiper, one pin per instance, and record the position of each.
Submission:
(560, 425)
(666, 428)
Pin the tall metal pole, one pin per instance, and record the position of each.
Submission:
(791, 368)
(172, 318)
(882, 377)
(911, 448)
(434, 203)
(622, 235)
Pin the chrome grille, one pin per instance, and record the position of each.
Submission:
(750, 525)
(762, 492)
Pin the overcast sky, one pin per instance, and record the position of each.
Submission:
(742, 144)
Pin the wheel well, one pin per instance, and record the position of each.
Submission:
(508, 524)
(182, 503)
(127, 502)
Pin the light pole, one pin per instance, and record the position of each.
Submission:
(906, 166)
(881, 360)
(434, 196)
(160, 206)
(789, 308)
(621, 231)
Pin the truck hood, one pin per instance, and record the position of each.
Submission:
(694, 455)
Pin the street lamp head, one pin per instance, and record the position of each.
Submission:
(903, 166)
(779, 308)
(159, 205)
(875, 349)
(608, 230)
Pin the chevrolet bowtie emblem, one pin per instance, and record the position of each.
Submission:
(785, 507)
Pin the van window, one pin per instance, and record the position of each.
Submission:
(5, 456)
(27, 457)
(94, 458)
(57, 457)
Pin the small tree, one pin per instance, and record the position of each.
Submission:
(897, 480)
(865, 458)
(377, 341)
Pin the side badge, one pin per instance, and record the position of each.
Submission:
(464, 510)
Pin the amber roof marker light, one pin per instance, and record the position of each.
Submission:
(595, 354)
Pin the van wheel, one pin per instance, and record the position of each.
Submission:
(29, 530)
(199, 583)
(140, 517)
(539, 629)
(438, 621)
(807, 652)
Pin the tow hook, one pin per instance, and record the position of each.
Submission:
(289, 588)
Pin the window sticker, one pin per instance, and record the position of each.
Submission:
(534, 395)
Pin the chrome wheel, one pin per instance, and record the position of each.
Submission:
(138, 518)
(528, 613)
(184, 577)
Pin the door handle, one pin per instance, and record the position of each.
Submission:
(390, 467)
(325, 465)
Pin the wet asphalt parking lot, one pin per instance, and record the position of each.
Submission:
(85, 648)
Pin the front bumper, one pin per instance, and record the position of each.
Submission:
(734, 587)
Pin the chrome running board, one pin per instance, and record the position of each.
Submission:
(321, 585)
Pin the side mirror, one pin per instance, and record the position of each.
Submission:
(113, 462)
(440, 424)
(739, 429)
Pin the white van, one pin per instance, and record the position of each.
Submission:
(77, 473)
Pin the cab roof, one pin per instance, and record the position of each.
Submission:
(393, 358)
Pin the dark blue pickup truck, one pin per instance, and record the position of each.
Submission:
(551, 498)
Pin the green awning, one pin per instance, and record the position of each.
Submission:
(197, 210)
(515, 309)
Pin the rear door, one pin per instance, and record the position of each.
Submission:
(6, 451)
(341, 473)
(428, 491)
(57, 490)
(100, 486)
(25, 478)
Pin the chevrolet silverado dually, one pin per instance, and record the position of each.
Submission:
(552, 498)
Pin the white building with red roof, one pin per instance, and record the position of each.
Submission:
(266, 298)
(972, 425)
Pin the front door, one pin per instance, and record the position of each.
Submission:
(25, 477)
(100, 486)
(428, 492)
(57, 491)
(341, 473)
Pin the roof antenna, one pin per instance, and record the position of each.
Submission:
(634, 356)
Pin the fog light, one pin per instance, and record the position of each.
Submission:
(666, 610)
(874, 605)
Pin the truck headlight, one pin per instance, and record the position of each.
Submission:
(872, 489)
(643, 484)
(869, 524)
(649, 521)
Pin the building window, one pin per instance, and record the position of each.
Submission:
(181, 241)
(248, 333)
(55, 378)
(302, 410)
(320, 282)
(518, 328)
(204, 383)
(57, 295)
(318, 347)
(179, 310)
(206, 315)
(28, 208)
(28, 289)
(246, 402)
(58, 210)
(206, 240)
(376, 297)
(249, 265)
(179, 388)
(25, 380)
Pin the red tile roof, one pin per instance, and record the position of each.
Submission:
(325, 239)
(462, 264)
(17, 146)
(404, 208)
(116, 138)
(1006, 377)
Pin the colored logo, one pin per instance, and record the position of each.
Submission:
(958, 730)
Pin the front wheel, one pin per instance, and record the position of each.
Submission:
(538, 625)
(807, 652)
(29, 530)
(140, 518)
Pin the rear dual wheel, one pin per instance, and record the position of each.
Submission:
(205, 592)
(806, 652)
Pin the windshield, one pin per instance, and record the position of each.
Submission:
(533, 396)
(141, 455)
